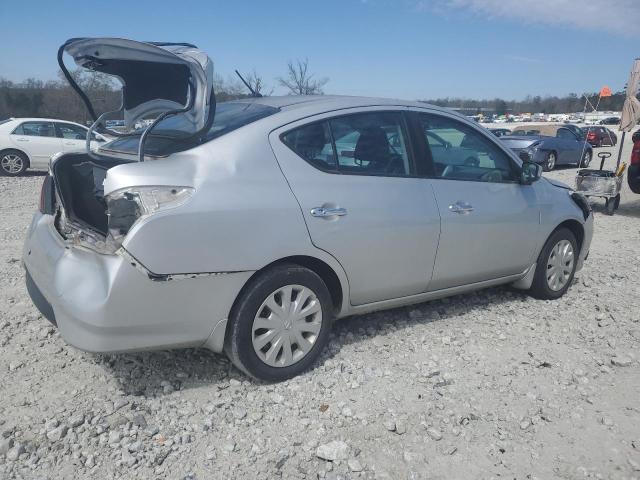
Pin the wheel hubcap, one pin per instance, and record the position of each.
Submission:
(287, 325)
(11, 163)
(560, 265)
(587, 159)
(552, 161)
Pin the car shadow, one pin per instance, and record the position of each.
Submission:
(158, 373)
(34, 173)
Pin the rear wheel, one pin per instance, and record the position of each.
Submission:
(556, 265)
(13, 163)
(550, 161)
(280, 323)
(586, 159)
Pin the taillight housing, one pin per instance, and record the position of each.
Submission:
(128, 206)
(591, 135)
(635, 153)
(47, 196)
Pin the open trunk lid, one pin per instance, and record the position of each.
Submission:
(167, 85)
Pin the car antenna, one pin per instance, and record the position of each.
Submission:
(253, 92)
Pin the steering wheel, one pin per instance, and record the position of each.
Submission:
(472, 162)
(491, 176)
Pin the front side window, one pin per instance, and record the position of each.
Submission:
(564, 133)
(35, 129)
(361, 144)
(459, 152)
(72, 132)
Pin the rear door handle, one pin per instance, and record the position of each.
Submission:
(22, 139)
(328, 212)
(461, 208)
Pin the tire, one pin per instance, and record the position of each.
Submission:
(550, 161)
(13, 163)
(542, 287)
(271, 363)
(612, 204)
(586, 159)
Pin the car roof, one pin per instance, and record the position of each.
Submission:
(548, 129)
(326, 103)
(34, 119)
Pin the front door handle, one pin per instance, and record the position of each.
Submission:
(462, 208)
(328, 212)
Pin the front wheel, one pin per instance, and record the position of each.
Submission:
(280, 323)
(550, 162)
(556, 266)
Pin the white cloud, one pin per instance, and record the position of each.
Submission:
(614, 16)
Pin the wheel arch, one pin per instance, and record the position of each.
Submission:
(327, 273)
(575, 227)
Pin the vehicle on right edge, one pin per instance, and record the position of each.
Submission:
(550, 145)
(633, 173)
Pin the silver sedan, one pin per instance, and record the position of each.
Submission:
(290, 212)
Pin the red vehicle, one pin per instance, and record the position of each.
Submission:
(633, 174)
(600, 136)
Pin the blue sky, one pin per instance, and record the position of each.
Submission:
(395, 48)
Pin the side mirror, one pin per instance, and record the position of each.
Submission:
(531, 172)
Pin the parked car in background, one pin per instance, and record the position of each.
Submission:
(610, 121)
(31, 142)
(281, 214)
(633, 173)
(598, 136)
(550, 145)
(499, 132)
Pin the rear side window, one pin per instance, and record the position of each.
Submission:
(362, 144)
(313, 143)
(35, 129)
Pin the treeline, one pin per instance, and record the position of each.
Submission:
(56, 99)
(536, 104)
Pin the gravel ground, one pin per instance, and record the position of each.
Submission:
(488, 385)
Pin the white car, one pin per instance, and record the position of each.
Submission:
(31, 142)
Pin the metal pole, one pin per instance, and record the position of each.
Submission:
(620, 151)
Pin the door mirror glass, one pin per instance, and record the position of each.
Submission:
(531, 172)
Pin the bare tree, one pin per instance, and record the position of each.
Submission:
(256, 83)
(299, 81)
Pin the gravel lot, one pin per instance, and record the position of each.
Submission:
(487, 385)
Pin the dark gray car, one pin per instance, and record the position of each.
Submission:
(549, 145)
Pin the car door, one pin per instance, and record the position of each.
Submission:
(73, 136)
(489, 220)
(570, 146)
(353, 176)
(38, 140)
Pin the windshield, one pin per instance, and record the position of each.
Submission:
(167, 137)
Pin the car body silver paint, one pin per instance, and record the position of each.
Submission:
(387, 242)
(246, 213)
(104, 304)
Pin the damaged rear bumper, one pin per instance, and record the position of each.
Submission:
(106, 303)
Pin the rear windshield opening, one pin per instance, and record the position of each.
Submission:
(168, 136)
